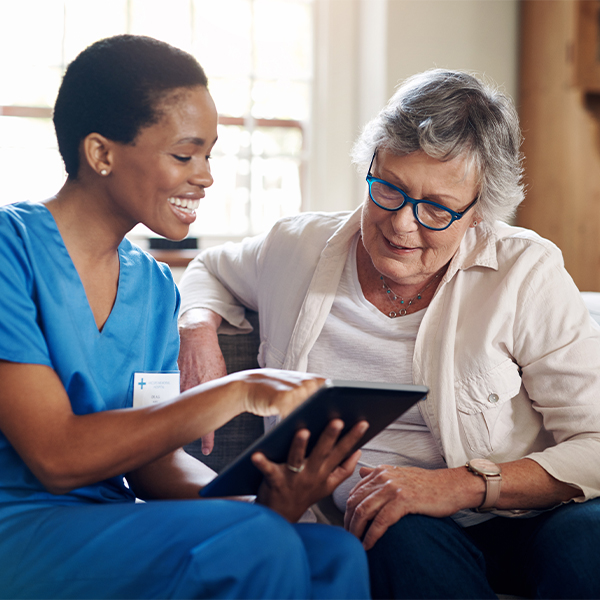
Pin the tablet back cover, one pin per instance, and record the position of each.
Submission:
(378, 403)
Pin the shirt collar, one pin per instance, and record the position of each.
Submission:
(478, 248)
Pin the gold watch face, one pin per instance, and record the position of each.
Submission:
(484, 466)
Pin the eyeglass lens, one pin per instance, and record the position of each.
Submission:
(427, 214)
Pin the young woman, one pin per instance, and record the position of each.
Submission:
(85, 318)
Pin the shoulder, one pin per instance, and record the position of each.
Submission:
(505, 233)
(309, 233)
(23, 228)
(16, 217)
(526, 264)
(500, 246)
(19, 210)
(514, 257)
(318, 225)
(514, 243)
(12, 226)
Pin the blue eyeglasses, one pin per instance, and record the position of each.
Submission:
(431, 215)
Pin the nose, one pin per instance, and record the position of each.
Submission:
(403, 220)
(202, 177)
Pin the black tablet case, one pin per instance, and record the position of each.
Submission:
(378, 403)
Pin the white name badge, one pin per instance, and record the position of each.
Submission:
(152, 388)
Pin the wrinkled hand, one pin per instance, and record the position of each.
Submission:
(200, 357)
(292, 493)
(387, 493)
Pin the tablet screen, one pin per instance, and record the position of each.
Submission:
(378, 403)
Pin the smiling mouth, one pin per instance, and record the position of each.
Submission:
(184, 204)
(399, 247)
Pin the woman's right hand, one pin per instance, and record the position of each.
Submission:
(200, 356)
(290, 489)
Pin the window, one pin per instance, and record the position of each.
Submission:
(256, 53)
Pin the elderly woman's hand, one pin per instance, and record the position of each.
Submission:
(200, 357)
(386, 494)
(290, 489)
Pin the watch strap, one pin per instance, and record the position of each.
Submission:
(493, 484)
(492, 475)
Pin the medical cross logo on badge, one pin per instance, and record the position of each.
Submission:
(151, 388)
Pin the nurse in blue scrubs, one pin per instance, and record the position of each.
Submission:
(87, 320)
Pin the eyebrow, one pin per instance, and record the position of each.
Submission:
(196, 141)
(433, 197)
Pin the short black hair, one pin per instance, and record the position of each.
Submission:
(114, 88)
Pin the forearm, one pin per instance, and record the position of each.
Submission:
(66, 451)
(177, 475)
(199, 318)
(200, 357)
(113, 442)
(386, 494)
(101, 445)
(525, 485)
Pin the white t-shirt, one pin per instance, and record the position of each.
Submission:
(375, 348)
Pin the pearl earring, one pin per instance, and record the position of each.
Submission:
(474, 223)
(103, 172)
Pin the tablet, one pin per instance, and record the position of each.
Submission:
(378, 403)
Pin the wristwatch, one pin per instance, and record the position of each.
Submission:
(492, 474)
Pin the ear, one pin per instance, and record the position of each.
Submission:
(475, 220)
(97, 152)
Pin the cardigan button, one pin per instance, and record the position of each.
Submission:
(493, 398)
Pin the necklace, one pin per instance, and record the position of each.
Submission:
(393, 297)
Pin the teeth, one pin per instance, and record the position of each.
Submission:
(184, 203)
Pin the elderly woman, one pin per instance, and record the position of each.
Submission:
(488, 484)
(88, 320)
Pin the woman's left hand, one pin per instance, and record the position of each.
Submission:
(290, 489)
(386, 494)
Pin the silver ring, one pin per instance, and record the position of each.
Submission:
(295, 469)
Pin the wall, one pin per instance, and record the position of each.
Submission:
(364, 48)
(561, 123)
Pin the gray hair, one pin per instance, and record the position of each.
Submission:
(450, 113)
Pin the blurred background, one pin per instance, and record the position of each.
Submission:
(295, 80)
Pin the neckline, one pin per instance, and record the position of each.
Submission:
(73, 275)
(395, 322)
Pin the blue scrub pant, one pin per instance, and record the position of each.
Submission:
(553, 555)
(175, 549)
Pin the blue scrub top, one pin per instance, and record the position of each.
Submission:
(45, 319)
